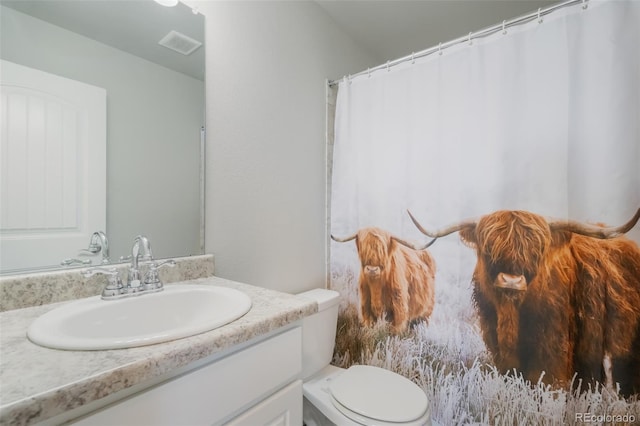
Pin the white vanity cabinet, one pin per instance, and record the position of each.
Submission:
(254, 385)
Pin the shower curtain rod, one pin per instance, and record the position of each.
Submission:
(468, 38)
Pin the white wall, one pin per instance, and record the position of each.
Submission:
(267, 62)
(154, 117)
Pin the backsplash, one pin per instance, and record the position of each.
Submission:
(25, 290)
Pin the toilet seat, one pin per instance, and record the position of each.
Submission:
(372, 395)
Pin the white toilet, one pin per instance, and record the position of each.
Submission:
(359, 395)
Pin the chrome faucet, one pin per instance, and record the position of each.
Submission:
(115, 289)
(99, 244)
(141, 249)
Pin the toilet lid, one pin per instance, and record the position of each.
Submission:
(379, 394)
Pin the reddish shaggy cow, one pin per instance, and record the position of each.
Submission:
(396, 281)
(558, 297)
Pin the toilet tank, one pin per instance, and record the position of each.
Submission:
(319, 331)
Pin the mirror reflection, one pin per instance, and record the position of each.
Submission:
(102, 130)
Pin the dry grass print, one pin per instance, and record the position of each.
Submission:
(448, 359)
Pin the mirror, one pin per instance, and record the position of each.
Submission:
(154, 111)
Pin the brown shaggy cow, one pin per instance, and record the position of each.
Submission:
(396, 281)
(558, 297)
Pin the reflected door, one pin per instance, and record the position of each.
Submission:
(53, 166)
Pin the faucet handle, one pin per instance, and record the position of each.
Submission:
(128, 258)
(114, 286)
(69, 262)
(111, 272)
(151, 278)
(90, 251)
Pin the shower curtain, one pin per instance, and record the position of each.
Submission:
(542, 118)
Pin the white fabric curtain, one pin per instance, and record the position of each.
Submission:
(544, 118)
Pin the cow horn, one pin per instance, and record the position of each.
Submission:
(344, 239)
(444, 231)
(414, 246)
(594, 230)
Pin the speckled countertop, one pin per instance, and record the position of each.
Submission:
(37, 383)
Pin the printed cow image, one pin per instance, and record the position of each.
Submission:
(396, 280)
(556, 296)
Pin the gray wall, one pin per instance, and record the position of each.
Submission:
(154, 117)
(265, 188)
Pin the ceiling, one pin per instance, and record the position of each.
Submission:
(387, 29)
(132, 26)
(391, 29)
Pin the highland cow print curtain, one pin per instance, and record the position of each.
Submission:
(518, 157)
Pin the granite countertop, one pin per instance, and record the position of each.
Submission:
(38, 383)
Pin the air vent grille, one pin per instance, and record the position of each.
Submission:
(180, 43)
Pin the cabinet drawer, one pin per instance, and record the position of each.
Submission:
(212, 392)
(284, 408)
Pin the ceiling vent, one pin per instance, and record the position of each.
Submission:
(179, 42)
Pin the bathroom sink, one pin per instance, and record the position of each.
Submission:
(177, 312)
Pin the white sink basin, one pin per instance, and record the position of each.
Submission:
(177, 312)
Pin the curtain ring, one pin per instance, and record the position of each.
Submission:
(584, 4)
(440, 49)
(388, 67)
(504, 26)
(349, 80)
(539, 16)
(413, 58)
(469, 38)
(368, 72)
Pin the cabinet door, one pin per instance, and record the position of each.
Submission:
(284, 408)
